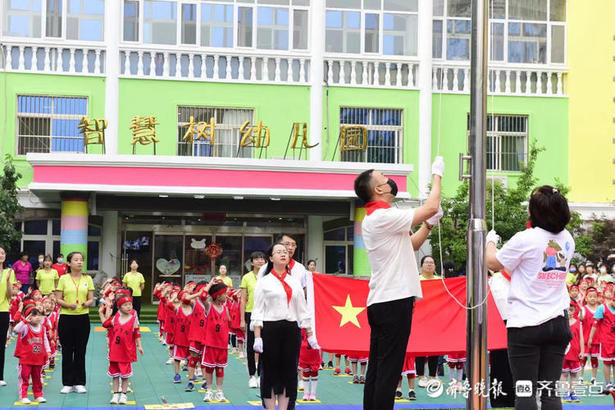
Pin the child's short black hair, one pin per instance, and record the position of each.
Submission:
(257, 255)
(216, 287)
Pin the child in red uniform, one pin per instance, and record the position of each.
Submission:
(215, 351)
(125, 339)
(171, 303)
(455, 362)
(235, 313)
(309, 364)
(354, 361)
(572, 360)
(591, 351)
(160, 315)
(181, 342)
(409, 370)
(196, 335)
(32, 349)
(604, 321)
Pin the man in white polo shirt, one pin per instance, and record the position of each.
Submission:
(394, 282)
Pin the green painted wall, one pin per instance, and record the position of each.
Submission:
(276, 106)
(374, 98)
(547, 124)
(14, 84)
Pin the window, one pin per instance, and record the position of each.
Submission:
(70, 19)
(507, 137)
(521, 31)
(131, 20)
(228, 121)
(272, 28)
(49, 124)
(85, 20)
(159, 22)
(388, 27)
(217, 25)
(384, 134)
(339, 250)
(263, 24)
(22, 18)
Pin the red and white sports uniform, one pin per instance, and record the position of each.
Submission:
(456, 359)
(409, 366)
(123, 345)
(607, 336)
(160, 315)
(586, 324)
(215, 352)
(572, 363)
(169, 322)
(196, 335)
(235, 313)
(32, 349)
(182, 328)
(309, 359)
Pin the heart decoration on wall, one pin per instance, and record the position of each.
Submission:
(168, 267)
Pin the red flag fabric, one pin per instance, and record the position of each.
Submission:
(438, 322)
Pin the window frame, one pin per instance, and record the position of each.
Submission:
(399, 151)
(497, 135)
(236, 5)
(215, 108)
(362, 16)
(505, 21)
(348, 243)
(51, 116)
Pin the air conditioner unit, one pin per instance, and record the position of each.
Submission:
(502, 179)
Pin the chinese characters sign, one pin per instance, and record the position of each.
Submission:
(93, 131)
(200, 131)
(143, 131)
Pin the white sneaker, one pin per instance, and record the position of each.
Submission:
(80, 389)
(220, 396)
(123, 398)
(25, 400)
(115, 399)
(2, 383)
(41, 400)
(422, 381)
(66, 389)
(300, 385)
(209, 396)
(170, 361)
(241, 355)
(252, 382)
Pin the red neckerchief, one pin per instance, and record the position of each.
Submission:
(371, 206)
(287, 288)
(291, 265)
(505, 274)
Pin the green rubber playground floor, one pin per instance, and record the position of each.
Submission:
(153, 387)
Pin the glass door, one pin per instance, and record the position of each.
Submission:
(168, 258)
(138, 246)
(197, 265)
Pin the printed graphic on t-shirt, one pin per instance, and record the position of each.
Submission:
(554, 258)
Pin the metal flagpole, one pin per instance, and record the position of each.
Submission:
(477, 269)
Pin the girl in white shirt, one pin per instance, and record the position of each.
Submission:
(538, 260)
(280, 310)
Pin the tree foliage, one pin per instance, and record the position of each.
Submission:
(509, 209)
(9, 205)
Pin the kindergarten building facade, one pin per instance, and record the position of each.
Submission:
(186, 133)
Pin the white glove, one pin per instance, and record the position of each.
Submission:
(434, 219)
(492, 236)
(258, 344)
(313, 342)
(437, 168)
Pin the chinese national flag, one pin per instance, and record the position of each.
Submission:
(438, 322)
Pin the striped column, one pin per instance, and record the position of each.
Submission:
(74, 229)
(361, 263)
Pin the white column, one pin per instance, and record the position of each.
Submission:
(315, 242)
(109, 250)
(317, 47)
(113, 13)
(425, 96)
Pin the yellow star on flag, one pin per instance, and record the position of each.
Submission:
(349, 313)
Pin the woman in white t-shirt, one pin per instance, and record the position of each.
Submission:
(538, 330)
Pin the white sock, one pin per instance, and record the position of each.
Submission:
(306, 386)
(314, 384)
(460, 375)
